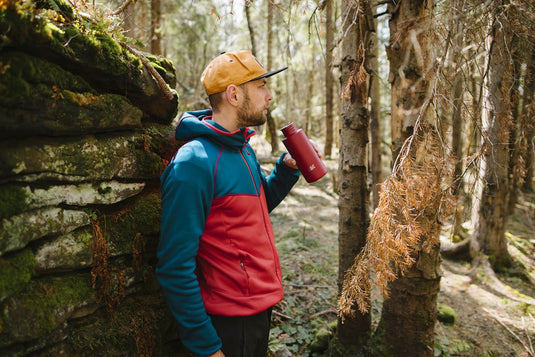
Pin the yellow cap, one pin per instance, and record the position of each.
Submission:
(233, 68)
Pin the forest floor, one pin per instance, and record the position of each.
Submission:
(493, 317)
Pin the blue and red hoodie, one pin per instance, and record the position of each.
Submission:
(217, 252)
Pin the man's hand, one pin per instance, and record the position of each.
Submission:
(290, 161)
(219, 353)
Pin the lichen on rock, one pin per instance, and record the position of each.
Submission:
(17, 231)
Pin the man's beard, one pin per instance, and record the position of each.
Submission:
(248, 116)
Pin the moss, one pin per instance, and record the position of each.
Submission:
(102, 158)
(321, 339)
(44, 305)
(14, 200)
(446, 314)
(500, 264)
(165, 68)
(25, 75)
(139, 319)
(74, 40)
(59, 6)
(16, 272)
(141, 217)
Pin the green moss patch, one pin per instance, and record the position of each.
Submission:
(15, 272)
(446, 314)
(14, 200)
(44, 305)
(142, 217)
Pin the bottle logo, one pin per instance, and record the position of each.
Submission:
(311, 167)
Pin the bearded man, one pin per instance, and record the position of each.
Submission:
(217, 262)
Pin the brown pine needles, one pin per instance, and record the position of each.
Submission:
(413, 202)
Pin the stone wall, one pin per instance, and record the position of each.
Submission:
(84, 136)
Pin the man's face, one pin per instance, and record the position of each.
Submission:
(253, 111)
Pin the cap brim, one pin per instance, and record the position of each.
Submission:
(268, 74)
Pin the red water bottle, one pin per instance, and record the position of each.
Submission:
(308, 160)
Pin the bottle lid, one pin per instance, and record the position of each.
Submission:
(288, 129)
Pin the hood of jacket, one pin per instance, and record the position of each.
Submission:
(197, 124)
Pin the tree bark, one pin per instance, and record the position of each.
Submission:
(271, 123)
(251, 27)
(375, 113)
(329, 47)
(516, 164)
(490, 211)
(457, 130)
(155, 20)
(529, 112)
(353, 187)
(409, 314)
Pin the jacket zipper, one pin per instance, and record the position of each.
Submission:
(246, 276)
(277, 273)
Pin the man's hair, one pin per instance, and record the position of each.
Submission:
(217, 98)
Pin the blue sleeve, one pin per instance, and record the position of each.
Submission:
(279, 183)
(186, 199)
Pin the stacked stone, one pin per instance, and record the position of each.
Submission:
(84, 137)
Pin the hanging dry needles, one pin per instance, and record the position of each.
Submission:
(413, 202)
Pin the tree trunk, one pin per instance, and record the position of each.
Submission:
(409, 314)
(329, 48)
(308, 111)
(375, 113)
(155, 36)
(528, 113)
(353, 187)
(490, 211)
(516, 164)
(457, 96)
(250, 26)
(271, 123)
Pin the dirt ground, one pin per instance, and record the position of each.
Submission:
(491, 319)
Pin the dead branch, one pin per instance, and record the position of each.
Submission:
(122, 7)
(529, 348)
(324, 312)
(161, 83)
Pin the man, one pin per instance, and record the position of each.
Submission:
(217, 261)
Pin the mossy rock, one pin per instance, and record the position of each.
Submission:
(31, 70)
(15, 272)
(141, 326)
(65, 253)
(14, 200)
(43, 306)
(19, 198)
(17, 231)
(446, 314)
(81, 159)
(321, 339)
(140, 218)
(88, 50)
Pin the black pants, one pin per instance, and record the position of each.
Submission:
(244, 336)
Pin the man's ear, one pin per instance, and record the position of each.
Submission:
(232, 95)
